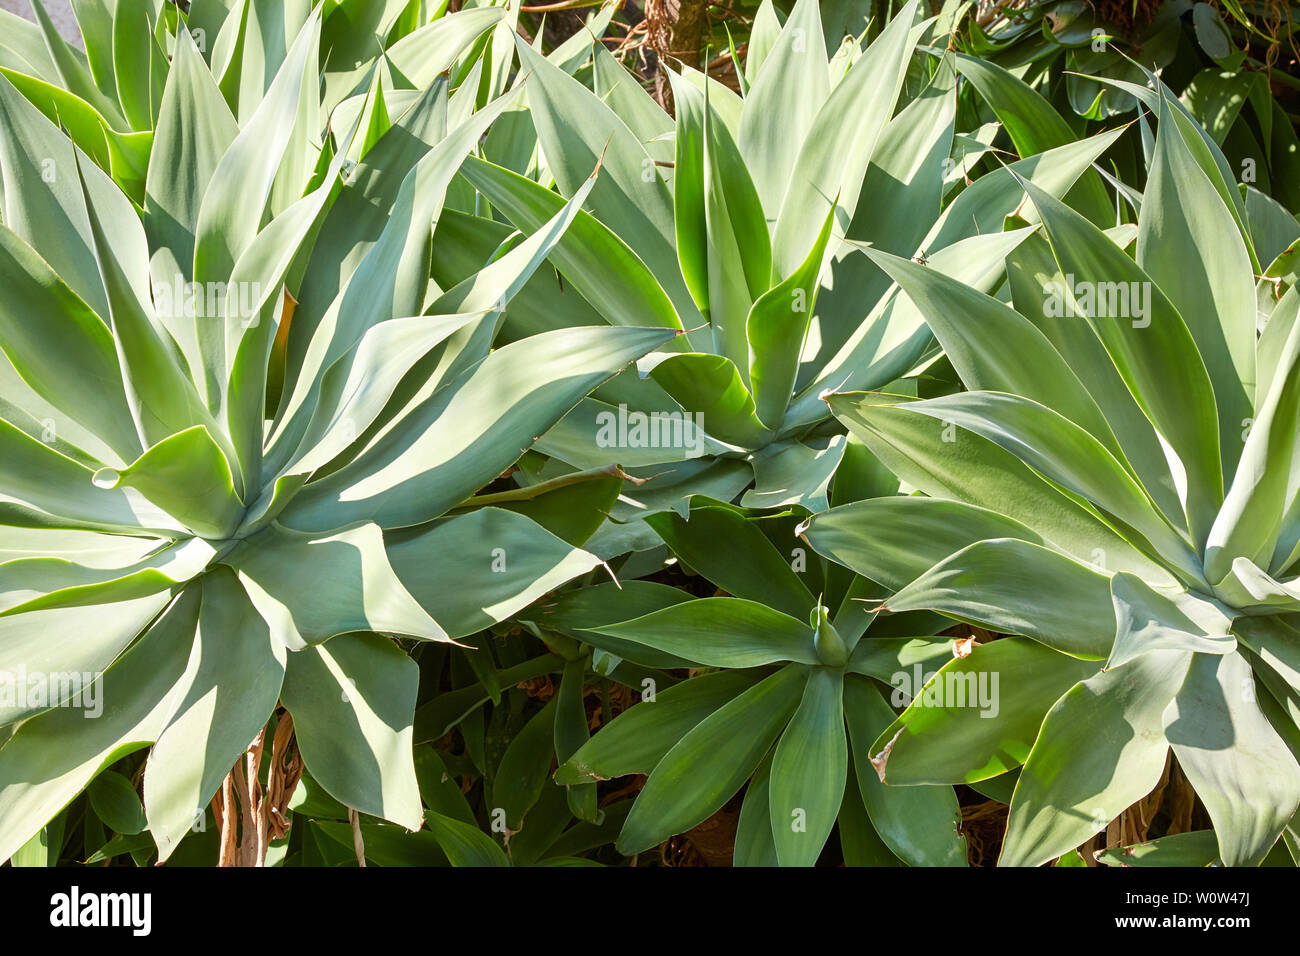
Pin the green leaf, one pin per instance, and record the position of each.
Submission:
(983, 206)
(68, 357)
(250, 327)
(463, 243)
(711, 762)
(434, 48)
(310, 588)
(462, 437)
(571, 732)
(910, 153)
(602, 267)
(495, 285)
(1273, 227)
(722, 238)
(1238, 764)
(1072, 460)
(1198, 848)
(783, 101)
(520, 776)
(859, 841)
(571, 512)
(947, 462)
(72, 74)
(895, 540)
(1211, 33)
(439, 790)
(751, 568)
(892, 338)
(576, 131)
(945, 736)
(1031, 269)
(103, 630)
(36, 583)
(762, 38)
(1248, 588)
(47, 489)
(1034, 126)
(711, 386)
(575, 612)
(474, 570)
(119, 846)
(775, 330)
(352, 701)
(1157, 97)
(181, 163)
(187, 476)
(51, 757)
(50, 215)
(547, 824)
(229, 690)
(385, 845)
(37, 852)
(638, 738)
(162, 397)
(116, 803)
(614, 84)
(791, 473)
(1149, 353)
(1275, 654)
(808, 771)
(1188, 245)
(985, 584)
(235, 200)
(921, 825)
(721, 632)
(436, 718)
(754, 845)
(833, 155)
(1000, 350)
(138, 65)
(357, 387)
(465, 845)
(359, 218)
(1150, 620)
(1102, 747)
(1250, 523)
(1215, 98)
(82, 124)
(886, 658)
(24, 45)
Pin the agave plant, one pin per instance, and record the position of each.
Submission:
(785, 673)
(1117, 488)
(1045, 67)
(109, 98)
(106, 98)
(1069, 42)
(195, 546)
(742, 223)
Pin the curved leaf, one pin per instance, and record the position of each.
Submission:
(711, 762)
(310, 588)
(352, 701)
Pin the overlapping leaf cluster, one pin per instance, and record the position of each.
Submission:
(350, 348)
